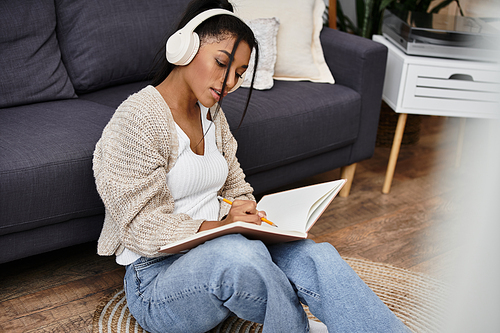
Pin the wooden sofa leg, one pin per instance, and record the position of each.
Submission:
(347, 172)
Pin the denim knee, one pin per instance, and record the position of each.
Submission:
(320, 251)
(240, 259)
(303, 252)
(306, 263)
(236, 249)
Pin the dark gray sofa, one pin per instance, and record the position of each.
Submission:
(66, 65)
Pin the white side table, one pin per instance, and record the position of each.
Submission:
(439, 87)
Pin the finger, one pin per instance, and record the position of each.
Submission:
(244, 203)
(249, 218)
(252, 211)
(241, 211)
(245, 206)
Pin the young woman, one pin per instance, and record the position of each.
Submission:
(163, 159)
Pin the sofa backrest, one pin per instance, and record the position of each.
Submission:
(31, 69)
(111, 42)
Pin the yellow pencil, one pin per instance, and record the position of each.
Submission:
(263, 219)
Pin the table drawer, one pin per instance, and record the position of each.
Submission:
(452, 89)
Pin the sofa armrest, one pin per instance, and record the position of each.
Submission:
(359, 64)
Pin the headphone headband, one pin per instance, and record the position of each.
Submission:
(183, 45)
(203, 16)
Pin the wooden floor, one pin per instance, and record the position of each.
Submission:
(58, 291)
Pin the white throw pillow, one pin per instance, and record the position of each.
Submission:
(265, 31)
(300, 55)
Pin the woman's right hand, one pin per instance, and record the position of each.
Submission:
(244, 211)
(240, 211)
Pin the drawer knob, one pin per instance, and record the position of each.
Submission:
(461, 77)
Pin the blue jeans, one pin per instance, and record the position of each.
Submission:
(195, 291)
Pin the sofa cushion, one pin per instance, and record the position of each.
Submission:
(280, 128)
(265, 31)
(110, 42)
(300, 55)
(30, 60)
(46, 162)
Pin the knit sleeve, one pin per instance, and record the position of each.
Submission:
(130, 167)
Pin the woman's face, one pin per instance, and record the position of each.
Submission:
(205, 74)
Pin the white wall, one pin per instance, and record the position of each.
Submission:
(349, 8)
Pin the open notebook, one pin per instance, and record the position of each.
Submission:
(294, 211)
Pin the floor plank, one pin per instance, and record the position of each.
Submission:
(56, 268)
(57, 304)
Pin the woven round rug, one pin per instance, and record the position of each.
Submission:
(415, 298)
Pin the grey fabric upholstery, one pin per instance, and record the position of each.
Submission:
(31, 69)
(114, 96)
(50, 237)
(341, 52)
(285, 129)
(106, 42)
(46, 163)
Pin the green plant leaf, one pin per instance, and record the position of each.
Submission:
(360, 13)
(423, 6)
(440, 6)
(460, 7)
(384, 4)
(367, 20)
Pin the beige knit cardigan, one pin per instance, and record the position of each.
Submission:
(138, 147)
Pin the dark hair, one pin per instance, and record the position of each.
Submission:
(219, 26)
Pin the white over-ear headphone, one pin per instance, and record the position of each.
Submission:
(183, 45)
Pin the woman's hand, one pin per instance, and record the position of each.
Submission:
(241, 210)
(244, 211)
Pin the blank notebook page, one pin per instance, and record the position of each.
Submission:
(290, 209)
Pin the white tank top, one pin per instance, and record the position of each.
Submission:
(194, 180)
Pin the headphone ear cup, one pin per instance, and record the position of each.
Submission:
(238, 83)
(181, 47)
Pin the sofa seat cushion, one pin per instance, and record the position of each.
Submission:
(106, 42)
(30, 60)
(46, 163)
(280, 128)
